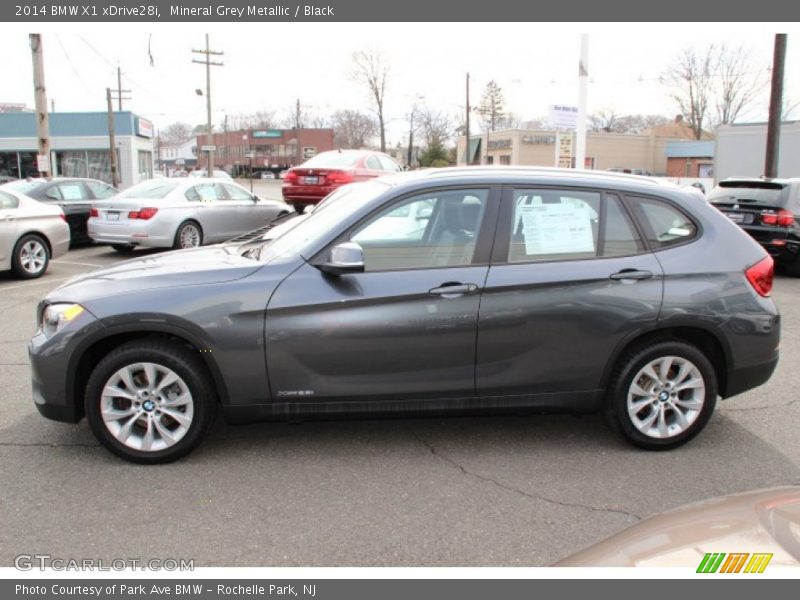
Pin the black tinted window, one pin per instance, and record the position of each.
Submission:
(663, 224)
(758, 193)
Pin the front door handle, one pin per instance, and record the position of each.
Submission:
(634, 274)
(453, 289)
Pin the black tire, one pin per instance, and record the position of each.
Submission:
(180, 235)
(299, 208)
(792, 268)
(173, 356)
(123, 248)
(23, 264)
(629, 366)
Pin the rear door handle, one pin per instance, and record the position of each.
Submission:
(631, 274)
(453, 289)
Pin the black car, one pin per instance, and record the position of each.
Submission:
(74, 195)
(767, 209)
(468, 289)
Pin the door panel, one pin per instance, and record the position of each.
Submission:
(380, 335)
(550, 327)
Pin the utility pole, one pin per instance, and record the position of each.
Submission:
(111, 141)
(52, 106)
(583, 80)
(42, 121)
(775, 107)
(411, 136)
(208, 53)
(468, 158)
(119, 89)
(298, 150)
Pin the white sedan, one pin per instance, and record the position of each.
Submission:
(31, 233)
(179, 213)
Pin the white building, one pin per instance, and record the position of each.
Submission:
(741, 150)
(176, 156)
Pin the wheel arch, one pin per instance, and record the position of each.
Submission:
(86, 358)
(711, 343)
(38, 234)
(181, 223)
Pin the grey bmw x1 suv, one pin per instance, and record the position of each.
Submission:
(467, 289)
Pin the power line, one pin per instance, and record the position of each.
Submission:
(72, 65)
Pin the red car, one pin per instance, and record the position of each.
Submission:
(319, 176)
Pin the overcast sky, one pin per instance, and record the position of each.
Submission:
(268, 66)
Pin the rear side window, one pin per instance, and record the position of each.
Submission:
(388, 164)
(8, 201)
(664, 225)
(551, 225)
(374, 163)
(100, 189)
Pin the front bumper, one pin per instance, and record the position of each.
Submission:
(53, 369)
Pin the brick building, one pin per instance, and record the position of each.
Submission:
(690, 159)
(271, 149)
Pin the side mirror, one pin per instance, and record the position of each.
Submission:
(347, 257)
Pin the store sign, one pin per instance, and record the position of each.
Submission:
(144, 128)
(499, 144)
(267, 133)
(309, 151)
(563, 117)
(564, 149)
(545, 140)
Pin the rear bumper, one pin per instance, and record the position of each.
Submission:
(746, 378)
(305, 194)
(129, 233)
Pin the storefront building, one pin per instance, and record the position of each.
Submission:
(639, 153)
(274, 149)
(79, 146)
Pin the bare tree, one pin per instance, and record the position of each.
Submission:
(352, 129)
(261, 119)
(372, 70)
(513, 121)
(738, 86)
(790, 105)
(690, 77)
(603, 120)
(492, 106)
(176, 132)
(437, 127)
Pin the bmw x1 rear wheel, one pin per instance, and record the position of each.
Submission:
(662, 395)
(150, 401)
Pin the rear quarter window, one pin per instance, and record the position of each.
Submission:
(664, 225)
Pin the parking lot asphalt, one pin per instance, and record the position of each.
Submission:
(493, 491)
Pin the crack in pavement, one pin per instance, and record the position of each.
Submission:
(46, 445)
(432, 449)
(755, 408)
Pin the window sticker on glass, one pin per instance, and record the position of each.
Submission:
(557, 228)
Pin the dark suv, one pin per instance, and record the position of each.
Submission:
(767, 209)
(467, 289)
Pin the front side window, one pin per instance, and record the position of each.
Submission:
(664, 225)
(551, 225)
(435, 229)
(206, 192)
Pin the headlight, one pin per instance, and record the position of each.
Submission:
(56, 317)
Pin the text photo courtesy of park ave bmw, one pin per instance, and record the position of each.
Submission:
(322, 301)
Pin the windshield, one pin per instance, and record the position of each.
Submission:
(320, 222)
(332, 159)
(23, 186)
(762, 193)
(154, 189)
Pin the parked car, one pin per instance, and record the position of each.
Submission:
(591, 292)
(319, 176)
(74, 195)
(31, 233)
(628, 171)
(179, 213)
(767, 209)
(266, 175)
(742, 533)
(218, 173)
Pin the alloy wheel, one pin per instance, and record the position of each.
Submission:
(147, 406)
(666, 396)
(190, 236)
(33, 256)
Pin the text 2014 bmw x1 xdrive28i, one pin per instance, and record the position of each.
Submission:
(459, 289)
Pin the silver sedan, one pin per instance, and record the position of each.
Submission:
(31, 233)
(179, 213)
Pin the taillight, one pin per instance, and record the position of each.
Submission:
(782, 218)
(339, 177)
(143, 213)
(63, 217)
(94, 213)
(290, 177)
(760, 276)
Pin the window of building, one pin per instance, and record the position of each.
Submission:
(505, 159)
(9, 164)
(145, 165)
